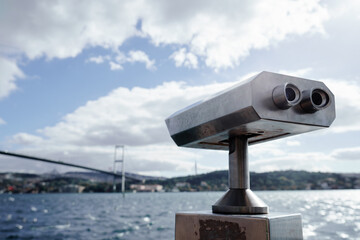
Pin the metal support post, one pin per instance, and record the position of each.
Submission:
(239, 199)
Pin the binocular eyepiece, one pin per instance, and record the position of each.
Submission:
(288, 95)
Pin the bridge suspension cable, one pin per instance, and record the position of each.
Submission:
(12, 154)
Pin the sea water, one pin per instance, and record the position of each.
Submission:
(333, 214)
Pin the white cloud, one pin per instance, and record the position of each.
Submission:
(9, 72)
(140, 56)
(347, 98)
(224, 33)
(220, 33)
(2, 121)
(99, 59)
(26, 139)
(298, 73)
(116, 62)
(115, 66)
(346, 153)
(133, 117)
(262, 159)
(184, 58)
(128, 116)
(61, 29)
(293, 143)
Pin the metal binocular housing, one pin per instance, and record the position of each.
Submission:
(265, 107)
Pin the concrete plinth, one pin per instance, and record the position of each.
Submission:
(207, 225)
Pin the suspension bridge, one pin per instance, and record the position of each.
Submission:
(23, 156)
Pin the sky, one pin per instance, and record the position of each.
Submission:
(78, 79)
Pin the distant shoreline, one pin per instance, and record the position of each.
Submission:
(90, 182)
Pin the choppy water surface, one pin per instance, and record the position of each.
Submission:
(326, 214)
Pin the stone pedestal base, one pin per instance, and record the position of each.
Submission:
(207, 225)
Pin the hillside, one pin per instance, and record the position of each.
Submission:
(213, 181)
(277, 180)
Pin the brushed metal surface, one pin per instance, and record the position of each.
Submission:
(248, 108)
(240, 201)
(239, 176)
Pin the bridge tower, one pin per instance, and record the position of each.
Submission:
(122, 161)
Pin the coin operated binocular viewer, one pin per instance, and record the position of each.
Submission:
(266, 107)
